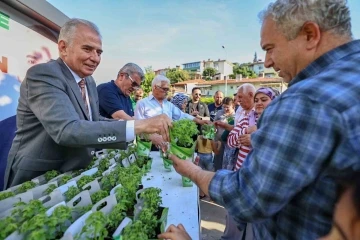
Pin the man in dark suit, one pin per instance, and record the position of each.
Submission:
(58, 121)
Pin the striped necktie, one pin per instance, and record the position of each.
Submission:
(82, 84)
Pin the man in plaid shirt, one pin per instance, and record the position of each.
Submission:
(307, 137)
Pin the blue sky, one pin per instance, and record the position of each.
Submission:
(163, 33)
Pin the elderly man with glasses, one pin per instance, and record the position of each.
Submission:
(114, 96)
(157, 104)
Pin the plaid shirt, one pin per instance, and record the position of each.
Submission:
(307, 138)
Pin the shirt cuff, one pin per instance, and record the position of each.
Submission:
(130, 130)
(216, 184)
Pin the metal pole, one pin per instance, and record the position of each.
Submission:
(224, 69)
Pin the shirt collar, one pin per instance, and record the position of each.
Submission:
(151, 97)
(76, 77)
(326, 59)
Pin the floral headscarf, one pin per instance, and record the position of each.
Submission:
(268, 91)
(179, 99)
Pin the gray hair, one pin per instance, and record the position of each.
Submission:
(290, 16)
(132, 68)
(67, 31)
(247, 88)
(158, 79)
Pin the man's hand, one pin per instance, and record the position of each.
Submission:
(183, 167)
(159, 124)
(223, 125)
(188, 169)
(195, 113)
(251, 129)
(158, 141)
(202, 122)
(175, 233)
(245, 140)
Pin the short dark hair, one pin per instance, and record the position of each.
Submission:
(195, 88)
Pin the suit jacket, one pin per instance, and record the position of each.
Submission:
(53, 127)
(202, 108)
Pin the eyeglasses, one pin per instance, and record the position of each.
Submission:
(134, 84)
(164, 89)
(198, 94)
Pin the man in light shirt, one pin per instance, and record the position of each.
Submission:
(157, 104)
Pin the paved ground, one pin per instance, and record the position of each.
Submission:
(212, 220)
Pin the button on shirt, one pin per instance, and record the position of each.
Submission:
(307, 138)
(112, 99)
(150, 107)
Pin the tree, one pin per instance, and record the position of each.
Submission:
(209, 72)
(192, 75)
(177, 75)
(149, 76)
(244, 70)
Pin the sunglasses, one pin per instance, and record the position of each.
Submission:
(164, 89)
(134, 84)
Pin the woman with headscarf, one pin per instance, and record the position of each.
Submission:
(247, 125)
(180, 100)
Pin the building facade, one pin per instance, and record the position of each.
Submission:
(262, 71)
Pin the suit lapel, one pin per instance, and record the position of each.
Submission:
(74, 87)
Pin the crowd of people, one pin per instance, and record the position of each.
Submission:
(284, 166)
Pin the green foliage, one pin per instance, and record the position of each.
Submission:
(125, 197)
(208, 131)
(25, 186)
(51, 174)
(109, 181)
(134, 231)
(118, 213)
(82, 210)
(148, 217)
(146, 84)
(24, 211)
(177, 75)
(50, 188)
(42, 226)
(182, 132)
(64, 179)
(95, 227)
(104, 164)
(7, 225)
(141, 161)
(71, 193)
(209, 72)
(84, 180)
(151, 197)
(96, 197)
(207, 100)
(4, 195)
(244, 70)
